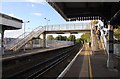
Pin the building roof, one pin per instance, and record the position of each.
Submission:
(10, 17)
(10, 23)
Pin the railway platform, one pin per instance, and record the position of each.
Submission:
(91, 65)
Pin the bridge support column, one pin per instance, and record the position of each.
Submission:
(2, 40)
(40, 42)
(44, 40)
(110, 61)
(31, 44)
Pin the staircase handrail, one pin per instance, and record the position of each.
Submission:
(29, 36)
(10, 44)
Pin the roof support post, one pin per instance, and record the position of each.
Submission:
(31, 44)
(44, 40)
(110, 61)
(2, 40)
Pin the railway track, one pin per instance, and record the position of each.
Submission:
(42, 67)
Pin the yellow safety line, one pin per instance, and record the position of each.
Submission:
(90, 67)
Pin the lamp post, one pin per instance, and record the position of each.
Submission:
(24, 30)
(44, 35)
(47, 20)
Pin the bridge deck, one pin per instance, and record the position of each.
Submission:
(93, 65)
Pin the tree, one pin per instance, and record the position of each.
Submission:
(79, 40)
(59, 37)
(86, 37)
(62, 38)
(117, 33)
(94, 21)
(50, 37)
(72, 38)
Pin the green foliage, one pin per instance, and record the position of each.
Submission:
(72, 38)
(62, 38)
(117, 33)
(50, 37)
(94, 21)
(79, 40)
(86, 37)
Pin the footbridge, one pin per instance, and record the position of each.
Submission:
(20, 41)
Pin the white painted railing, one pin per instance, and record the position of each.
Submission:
(77, 26)
(11, 43)
(22, 41)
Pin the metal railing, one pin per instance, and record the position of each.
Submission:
(117, 45)
(77, 26)
(49, 44)
(15, 40)
(57, 43)
(36, 32)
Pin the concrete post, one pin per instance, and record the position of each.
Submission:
(2, 41)
(1, 49)
(91, 37)
(44, 40)
(31, 44)
(110, 61)
(40, 41)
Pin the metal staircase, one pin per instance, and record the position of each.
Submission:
(20, 42)
(11, 43)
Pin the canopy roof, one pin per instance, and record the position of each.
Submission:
(72, 11)
(10, 23)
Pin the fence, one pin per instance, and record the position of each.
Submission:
(37, 43)
(117, 45)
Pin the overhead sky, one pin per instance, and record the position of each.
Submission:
(33, 11)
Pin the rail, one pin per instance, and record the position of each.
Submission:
(42, 67)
